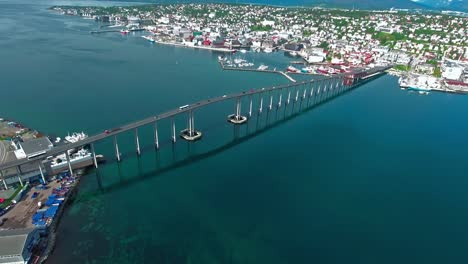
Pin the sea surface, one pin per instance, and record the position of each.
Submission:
(378, 175)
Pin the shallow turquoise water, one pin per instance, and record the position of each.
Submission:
(375, 176)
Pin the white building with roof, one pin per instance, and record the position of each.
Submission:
(16, 245)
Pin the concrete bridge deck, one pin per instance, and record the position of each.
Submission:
(338, 79)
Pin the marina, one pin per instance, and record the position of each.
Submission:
(260, 69)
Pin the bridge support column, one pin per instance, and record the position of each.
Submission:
(304, 93)
(42, 174)
(3, 180)
(297, 95)
(271, 102)
(69, 163)
(173, 130)
(137, 142)
(190, 134)
(237, 118)
(280, 99)
(289, 98)
(250, 107)
(18, 171)
(4, 184)
(337, 86)
(310, 94)
(329, 90)
(116, 147)
(156, 137)
(318, 94)
(260, 109)
(94, 156)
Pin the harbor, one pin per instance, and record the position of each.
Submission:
(260, 69)
(33, 198)
(198, 202)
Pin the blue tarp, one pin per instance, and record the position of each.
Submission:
(50, 213)
(37, 216)
(40, 223)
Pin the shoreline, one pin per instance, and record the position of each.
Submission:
(52, 229)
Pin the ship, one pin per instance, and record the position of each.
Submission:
(422, 84)
(262, 67)
(82, 156)
(149, 38)
(322, 70)
(75, 137)
(292, 69)
(124, 31)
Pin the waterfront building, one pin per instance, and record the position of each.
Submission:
(16, 245)
(32, 148)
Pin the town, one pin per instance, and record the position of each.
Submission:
(429, 49)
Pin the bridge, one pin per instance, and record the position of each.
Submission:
(317, 91)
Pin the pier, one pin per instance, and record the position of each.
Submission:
(255, 70)
(311, 92)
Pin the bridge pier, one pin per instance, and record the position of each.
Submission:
(271, 102)
(3, 180)
(137, 142)
(280, 99)
(4, 184)
(173, 130)
(337, 87)
(297, 95)
(317, 94)
(190, 134)
(289, 98)
(116, 147)
(94, 156)
(69, 163)
(250, 107)
(42, 174)
(237, 118)
(260, 109)
(310, 94)
(18, 171)
(322, 91)
(156, 137)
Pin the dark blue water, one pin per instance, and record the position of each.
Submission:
(375, 176)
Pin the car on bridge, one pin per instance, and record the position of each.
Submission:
(108, 131)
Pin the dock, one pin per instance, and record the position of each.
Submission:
(115, 30)
(104, 31)
(225, 50)
(255, 70)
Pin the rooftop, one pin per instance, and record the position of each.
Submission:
(12, 243)
(36, 145)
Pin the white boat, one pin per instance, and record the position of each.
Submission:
(293, 53)
(262, 67)
(243, 51)
(149, 38)
(75, 137)
(60, 161)
(268, 50)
